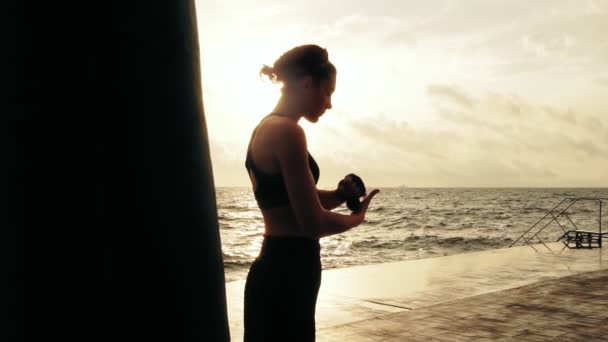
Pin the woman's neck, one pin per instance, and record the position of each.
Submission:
(289, 108)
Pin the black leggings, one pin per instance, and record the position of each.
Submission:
(281, 290)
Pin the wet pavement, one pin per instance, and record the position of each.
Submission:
(539, 292)
(564, 309)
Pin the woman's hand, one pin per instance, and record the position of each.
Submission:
(350, 187)
(365, 204)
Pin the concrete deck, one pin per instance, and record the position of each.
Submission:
(520, 293)
(573, 308)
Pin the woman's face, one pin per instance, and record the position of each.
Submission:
(320, 98)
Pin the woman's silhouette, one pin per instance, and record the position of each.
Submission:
(283, 282)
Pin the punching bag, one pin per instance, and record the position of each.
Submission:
(109, 219)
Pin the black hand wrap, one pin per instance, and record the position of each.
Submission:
(352, 200)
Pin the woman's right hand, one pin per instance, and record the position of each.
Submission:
(365, 204)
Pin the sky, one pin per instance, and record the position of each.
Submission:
(435, 93)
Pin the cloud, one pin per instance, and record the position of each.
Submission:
(404, 139)
(499, 111)
(562, 37)
(365, 31)
(451, 93)
(566, 117)
(537, 141)
(603, 81)
(462, 118)
(400, 38)
(519, 67)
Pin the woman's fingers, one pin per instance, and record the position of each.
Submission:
(365, 203)
(372, 194)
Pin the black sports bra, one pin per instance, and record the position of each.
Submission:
(270, 191)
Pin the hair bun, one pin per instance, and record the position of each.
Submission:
(325, 55)
(268, 71)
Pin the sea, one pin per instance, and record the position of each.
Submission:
(406, 223)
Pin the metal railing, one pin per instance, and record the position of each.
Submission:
(562, 208)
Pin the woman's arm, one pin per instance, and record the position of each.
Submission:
(349, 187)
(292, 156)
(359, 215)
(329, 199)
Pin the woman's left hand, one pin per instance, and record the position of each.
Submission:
(351, 187)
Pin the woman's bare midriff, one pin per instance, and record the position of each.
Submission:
(281, 221)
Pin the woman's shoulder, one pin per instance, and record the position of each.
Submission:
(281, 128)
(281, 135)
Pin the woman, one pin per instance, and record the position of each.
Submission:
(283, 282)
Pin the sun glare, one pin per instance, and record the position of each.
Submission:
(258, 98)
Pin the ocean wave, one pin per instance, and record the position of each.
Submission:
(534, 209)
(432, 240)
(237, 259)
(485, 241)
(392, 223)
(237, 263)
(582, 211)
(232, 207)
(224, 217)
(563, 194)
